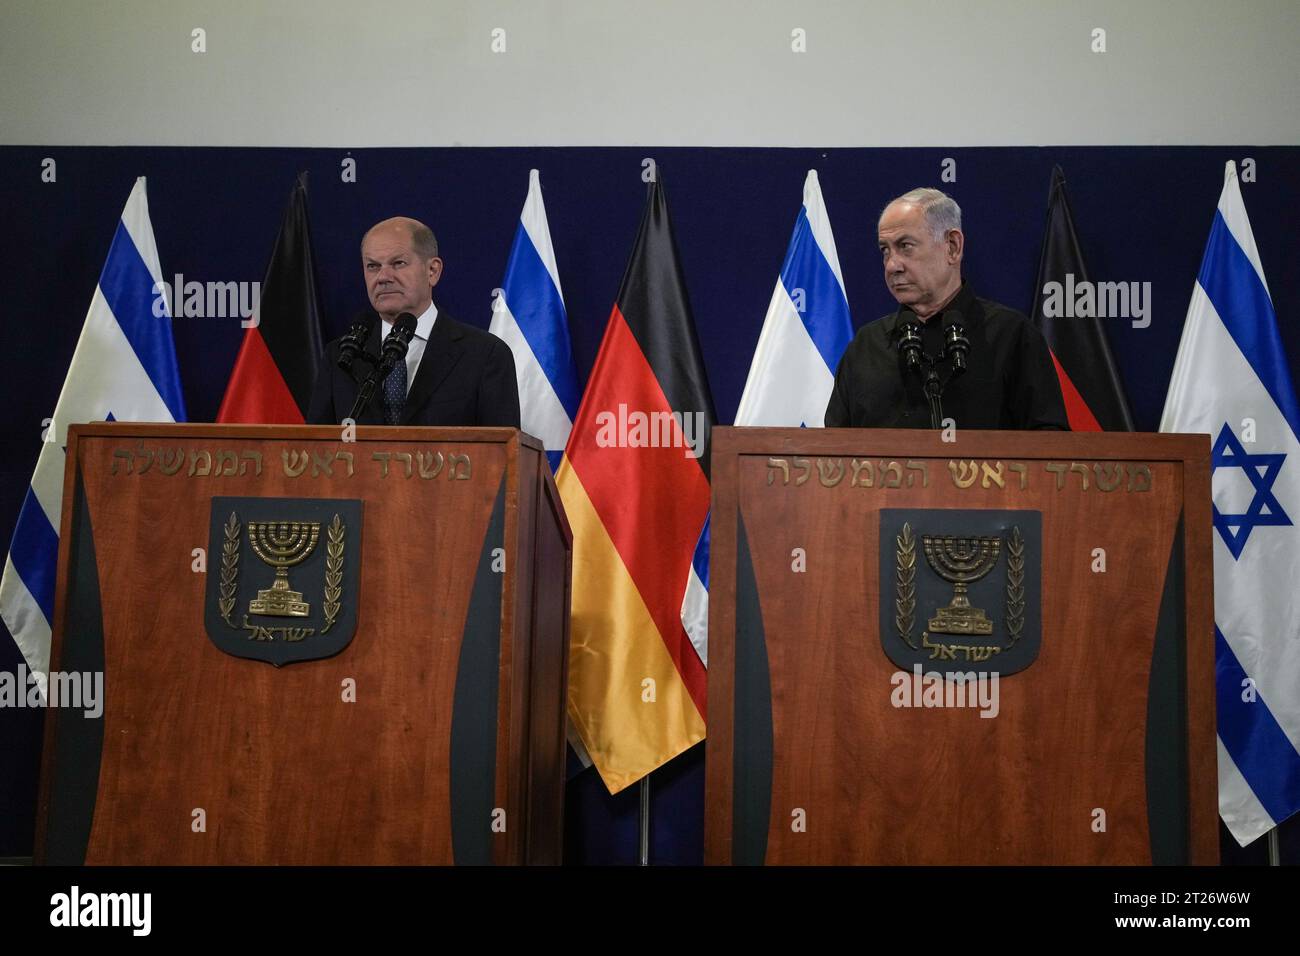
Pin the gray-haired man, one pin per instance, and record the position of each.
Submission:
(1009, 380)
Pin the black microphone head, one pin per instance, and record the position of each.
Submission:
(396, 342)
(405, 321)
(956, 344)
(354, 340)
(909, 339)
(362, 323)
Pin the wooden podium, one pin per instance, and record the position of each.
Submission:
(845, 565)
(370, 670)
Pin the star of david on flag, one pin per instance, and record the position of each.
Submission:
(1231, 381)
(1264, 508)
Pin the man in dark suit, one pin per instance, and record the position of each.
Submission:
(454, 374)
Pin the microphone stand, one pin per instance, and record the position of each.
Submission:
(367, 390)
(393, 351)
(956, 347)
(933, 389)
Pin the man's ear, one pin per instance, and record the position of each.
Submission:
(956, 243)
(435, 271)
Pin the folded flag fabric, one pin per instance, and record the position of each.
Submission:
(635, 486)
(529, 315)
(124, 368)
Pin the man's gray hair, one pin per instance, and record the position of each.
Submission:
(423, 242)
(941, 211)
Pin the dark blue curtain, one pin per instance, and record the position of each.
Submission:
(1143, 215)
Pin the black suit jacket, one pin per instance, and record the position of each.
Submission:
(466, 377)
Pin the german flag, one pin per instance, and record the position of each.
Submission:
(273, 374)
(1090, 382)
(635, 485)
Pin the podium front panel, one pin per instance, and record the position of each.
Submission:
(391, 749)
(835, 732)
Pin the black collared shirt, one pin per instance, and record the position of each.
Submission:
(1010, 381)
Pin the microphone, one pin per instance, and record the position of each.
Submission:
(955, 343)
(392, 352)
(353, 344)
(396, 344)
(909, 340)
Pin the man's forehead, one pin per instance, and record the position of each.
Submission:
(901, 215)
(889, 233)
(386, 245)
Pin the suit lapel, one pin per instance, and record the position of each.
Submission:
(441, 353)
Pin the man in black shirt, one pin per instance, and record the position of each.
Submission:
(1010, 379)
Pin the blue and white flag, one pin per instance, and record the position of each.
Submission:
(805, 333)
(806, 330)
(124, 369)
(1231, 381)
(529, 315)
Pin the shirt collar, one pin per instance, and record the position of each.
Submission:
(964, 302)
(423, 325)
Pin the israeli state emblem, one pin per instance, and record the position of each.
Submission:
(960, 590)
(283, 577)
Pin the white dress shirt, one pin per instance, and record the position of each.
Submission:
(415, 350)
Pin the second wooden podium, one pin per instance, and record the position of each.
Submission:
(994, 650)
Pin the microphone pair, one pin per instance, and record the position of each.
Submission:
(956, 344)
(353, 344)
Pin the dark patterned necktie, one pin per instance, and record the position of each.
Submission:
(395, 393)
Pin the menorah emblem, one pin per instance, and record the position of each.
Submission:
(962, 562)
(282, 544)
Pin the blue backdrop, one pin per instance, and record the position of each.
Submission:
(1143, 214)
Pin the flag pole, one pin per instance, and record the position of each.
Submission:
(1274, 849)
(643, 824)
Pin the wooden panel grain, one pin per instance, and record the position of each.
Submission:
(718, 764)
(283, 768)
(1202, 727)
(879, 784)
(548, 684)
(516, 653)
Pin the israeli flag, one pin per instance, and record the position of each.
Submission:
(1231, 380)
(124, 368)
(528, 313)
(805, 333)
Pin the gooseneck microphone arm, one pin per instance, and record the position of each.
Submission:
(392, 352)
(933, 389)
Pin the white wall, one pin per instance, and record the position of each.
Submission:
(663, 72)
